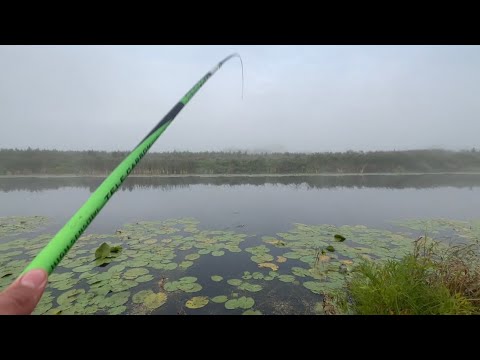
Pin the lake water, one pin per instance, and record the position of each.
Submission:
(254, 206)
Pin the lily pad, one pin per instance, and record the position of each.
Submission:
(219, 299)
(252, 312)
(144, 278)
(286, 278)
(83, 268)
(154, 301)
(262, 258)
(301, 272)
(138, 263)
(192, 257)
(330, 248)
(69, 296)
(257, 275)
(246, 275)
(234, 282)
(105, 250)
(281, 259)
(315, 287)
(116, 268)
(218, 253)
(197, 302)
(240, 303)
(171, 266)
(139, 297)
(250, 287)
(190, 288)
(132, 274)
(339, 237)
(292, 255)
(117, 310)
(272, 266)
(216, 278)
(185, 264)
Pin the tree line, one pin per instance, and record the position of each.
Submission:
(55, 162)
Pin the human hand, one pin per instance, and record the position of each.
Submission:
(21, 297)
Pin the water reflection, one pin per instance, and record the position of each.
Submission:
(423, 181)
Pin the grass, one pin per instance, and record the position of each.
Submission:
(434, 280)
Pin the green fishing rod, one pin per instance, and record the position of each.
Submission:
(51, 255)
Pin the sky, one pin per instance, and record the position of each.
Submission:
(296, 98)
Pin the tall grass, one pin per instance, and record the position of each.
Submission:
(433, 280)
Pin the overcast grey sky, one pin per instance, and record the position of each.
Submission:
(297, 98)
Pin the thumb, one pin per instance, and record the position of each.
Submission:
(23, 295)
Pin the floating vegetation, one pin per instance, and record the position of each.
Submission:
(15, 225)
(143, 266)
(272, 266)
(240, 303)
(219, 299)
(106, 251)
(252, 312)
(339, 237)
(197, 302)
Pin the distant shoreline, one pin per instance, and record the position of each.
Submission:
(55, 176)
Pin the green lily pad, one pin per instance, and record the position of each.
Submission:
(116, 268)
(59, 277)
(106, 250)
(117, 310)
(262, 258)
(132, 274)
(192, 257)
(154, 301)
(234, 282)
(124, 285)
(339, 237)
(190, 287)
(197, 302)
(185, 264)
(315, 287)
(171, 286)
(137, 263)
(250, 287)
(231, 304)
(216, 278)
(257, 276)
(240, 303)
(292, 255)
(330, 248)
(219, 299)
(246, 275)
(252, 312)
(139, 297)
(69, 297)
(144, 278)
(188, 279)
(171, 266)
(286, 278)
(218, 253)
(301, 272)
(83, 268)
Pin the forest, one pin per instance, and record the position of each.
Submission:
(55, 162)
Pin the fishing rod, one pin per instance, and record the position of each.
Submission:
(51, 255)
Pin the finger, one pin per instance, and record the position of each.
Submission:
(23, 295)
